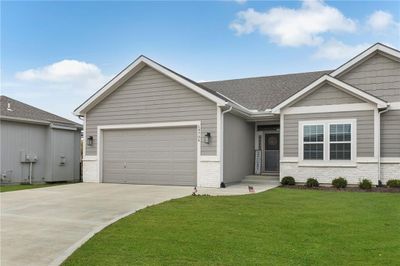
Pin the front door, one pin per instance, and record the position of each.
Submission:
(272, 152)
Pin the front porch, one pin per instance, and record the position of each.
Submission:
(267, 148)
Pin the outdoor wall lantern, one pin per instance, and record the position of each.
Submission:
(207, 137)
(90, 141)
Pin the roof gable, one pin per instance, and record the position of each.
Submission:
(355, 61)
(337, 83)
(131, 70)
(326, 94)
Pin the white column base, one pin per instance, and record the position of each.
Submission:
(90, 171)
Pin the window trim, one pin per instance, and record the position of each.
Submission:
(326, 161)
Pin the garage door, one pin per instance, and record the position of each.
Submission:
(156, 156)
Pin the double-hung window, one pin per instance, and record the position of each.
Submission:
(313, 137)
(340, 141)
(328, 140)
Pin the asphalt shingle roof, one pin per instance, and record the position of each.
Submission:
(262, 93)
(22, 110)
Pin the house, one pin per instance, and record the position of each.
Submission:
(151, 125)
(37, 146)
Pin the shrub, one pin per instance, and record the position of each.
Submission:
(312, 182)
(339, 182)
(393, 183)
(365, 184)
(288, 181)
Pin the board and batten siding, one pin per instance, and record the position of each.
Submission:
(326, 95)
(390, 134)
(365, 130)
(378, 75)
(238, 148)
(151, 97)
(20, 137)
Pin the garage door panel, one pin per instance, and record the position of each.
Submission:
(157, 156)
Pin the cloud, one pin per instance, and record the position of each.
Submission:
(336, 50)
(294, 27)
(67, 81)
(65, 70)
(381, 21)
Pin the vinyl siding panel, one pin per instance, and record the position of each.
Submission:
(365, 130)
(378, 75)
(238, 148)
(327, 95)
(390, 134)
(151, 97)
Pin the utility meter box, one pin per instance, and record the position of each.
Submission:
(28, 157)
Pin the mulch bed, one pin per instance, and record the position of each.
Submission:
(347, 189)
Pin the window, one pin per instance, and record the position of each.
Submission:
(340, 142)
(330, 140)
(313, 137)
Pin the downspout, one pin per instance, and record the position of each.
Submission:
(379, 144)
(221, 151)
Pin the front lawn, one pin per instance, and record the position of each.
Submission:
(277, 227)
(7, 188)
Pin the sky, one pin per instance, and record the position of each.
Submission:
(54, 55)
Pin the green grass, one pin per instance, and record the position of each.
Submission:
(277, 227)
(8, 188)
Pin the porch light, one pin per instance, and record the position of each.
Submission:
(207, 137)
(90, 141)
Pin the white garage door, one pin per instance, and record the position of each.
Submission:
(155, 156)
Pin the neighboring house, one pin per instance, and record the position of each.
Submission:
(151, 125)
(37, 146)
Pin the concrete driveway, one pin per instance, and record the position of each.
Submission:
(43, 226)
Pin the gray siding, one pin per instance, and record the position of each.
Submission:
(44, 142)
(365, 130)
(378, 75)
(390, 134)
(238, 148)
(65, 143)
(151, 97)
(327, 95)
(17, 137)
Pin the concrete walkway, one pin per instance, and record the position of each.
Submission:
(258, 182)
(44, 226)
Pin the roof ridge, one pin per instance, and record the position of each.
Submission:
(278, 75)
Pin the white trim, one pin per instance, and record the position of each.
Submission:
(219, 127)
(63, 127)
(329, 108)
(132, 69)
(394, 106)
(18, 119)
(281, 137)
(326, 161)
(377, 128)
(365, 54)
(289, 160)
(367, 160)
(84, 137)
(390, 160)
(100, 130)
(326, 78)
(90, 158)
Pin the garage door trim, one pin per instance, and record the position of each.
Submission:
(100, 130)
